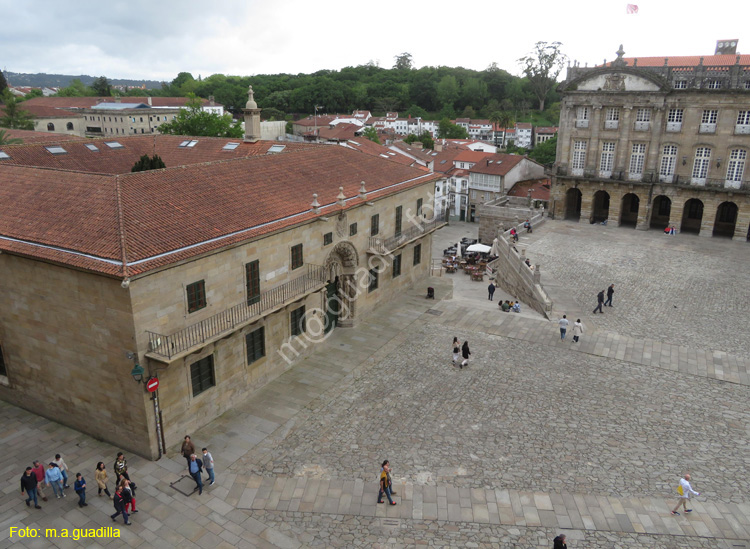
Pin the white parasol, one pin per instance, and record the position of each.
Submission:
(481, 248)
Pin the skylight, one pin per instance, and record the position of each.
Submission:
(383, 155)
(352, 141)
(184, 143)
(91, 147)
(276, 148)
(56, 149)
(193, 143)
(230, 146)
(4, 156)
(114, 144)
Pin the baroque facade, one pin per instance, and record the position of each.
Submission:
(656, 143)
(214, 275)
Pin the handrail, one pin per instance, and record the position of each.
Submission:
(225, 321)
(387, 245)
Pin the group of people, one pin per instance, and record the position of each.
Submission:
(461, 353)
(195, 465)
(508, 306)
(56, 476)
(563, 323)
(601, 302)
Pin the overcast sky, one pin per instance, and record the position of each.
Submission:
(156, 39)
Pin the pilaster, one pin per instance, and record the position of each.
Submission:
(622, 152)
(587, 205)
(615, 205)
(710, 204)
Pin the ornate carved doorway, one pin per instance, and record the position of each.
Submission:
(341, 300)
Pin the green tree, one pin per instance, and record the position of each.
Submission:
(545, 153)
(425, 138)
(449, 130)
(193, 120)
(14, 117)
(542, 67)
(36, 92)
(403, 62)
(447, 90)
(101, 87)
(3, 82)
(75, 89)
(371, 134)
(6, 139)
(416, 111)
(145, 163)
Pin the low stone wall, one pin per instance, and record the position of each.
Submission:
(515, 278)
(503, 213)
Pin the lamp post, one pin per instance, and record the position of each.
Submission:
(138, 373)
(316, 120)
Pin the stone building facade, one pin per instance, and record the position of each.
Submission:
(656, 142)
(213, 275)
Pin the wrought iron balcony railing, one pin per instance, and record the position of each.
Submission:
(384, 246)
(225, 322)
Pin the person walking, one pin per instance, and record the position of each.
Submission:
(684, 490)
(120, 468)
(119, 504)
(466, 353)
(196, 468)
(28, 485)
(610, 293)
(208, 465)
(577, 330)
(456, 351)
(101, 479)
(60, 462)
(563, 324)
(600, 302)
(559, 542)
(53, 477)
(490, 290)
(187, 449)
(38, 470)
(384, 486)
(128, 495)
(80, 487)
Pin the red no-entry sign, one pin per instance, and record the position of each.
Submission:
(152, 384)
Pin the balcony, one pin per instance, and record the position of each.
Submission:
(385, 246)
(707, 128)
(582, 123)
(642, 126)
(742, 129)
(166, 348)
(674, 127)
(611, 124)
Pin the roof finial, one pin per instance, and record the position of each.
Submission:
(341, 197)
(315, 204)
(619, 62)
(362, 191)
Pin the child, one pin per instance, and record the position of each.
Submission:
(80, 488)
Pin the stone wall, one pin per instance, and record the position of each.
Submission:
(503, 213)
(64, 335)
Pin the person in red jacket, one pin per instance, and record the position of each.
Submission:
(39, 472)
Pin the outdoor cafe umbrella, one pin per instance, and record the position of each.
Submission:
(481, 248)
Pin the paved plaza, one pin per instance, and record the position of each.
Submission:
(536, 437)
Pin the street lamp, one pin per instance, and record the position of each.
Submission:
(137, 372)
(316, 120)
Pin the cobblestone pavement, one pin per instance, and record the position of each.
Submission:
(617, 418)
(684, 289)
(522, 416)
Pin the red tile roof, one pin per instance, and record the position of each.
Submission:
(471, 156)
(540, 189)
(120, 161)
(30, 136)
(44, 111)
(362, 144)
(689, 60)
(123, 225)
(340, 132)
(497, 164)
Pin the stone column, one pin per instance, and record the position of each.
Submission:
(710, 204)
(348, 295)
(615, 205)
(743, 221)
(676, 210)
(622, 154)
(587, 205)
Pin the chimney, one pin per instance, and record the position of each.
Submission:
(252, 118)
(211, 100)
(438, 147)
(150, 103)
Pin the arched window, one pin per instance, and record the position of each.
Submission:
(69, 126)
(50, 127)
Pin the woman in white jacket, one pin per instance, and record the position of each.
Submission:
(577, 330)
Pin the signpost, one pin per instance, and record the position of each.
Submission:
(152, 384)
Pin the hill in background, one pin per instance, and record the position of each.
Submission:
(41, 80)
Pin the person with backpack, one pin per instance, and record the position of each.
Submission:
(119, 504)
(684, 489)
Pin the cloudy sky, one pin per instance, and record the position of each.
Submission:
(159, 38)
